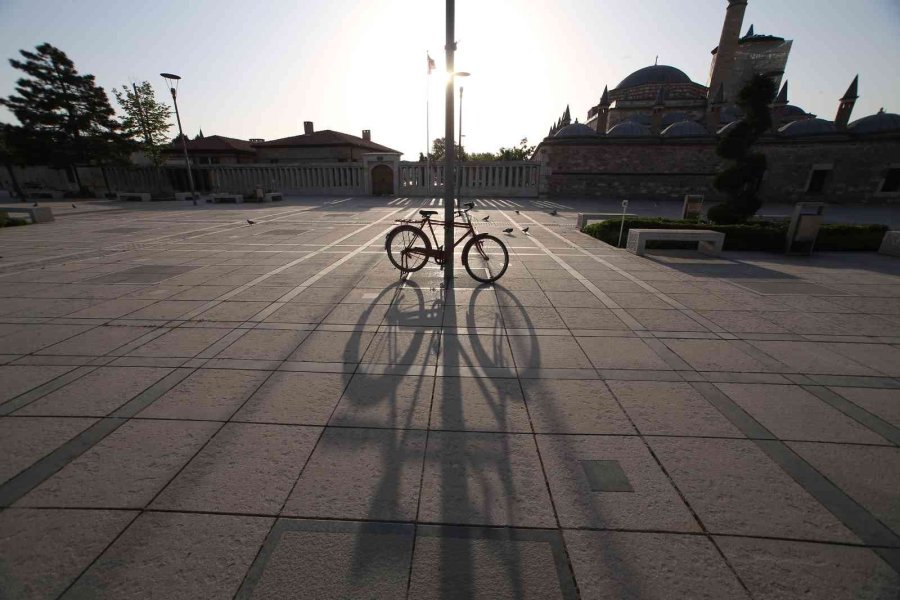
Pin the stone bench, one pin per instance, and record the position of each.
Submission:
(38, 214)
(708, 242)
(236, 198)
(45, 194)
(273, 197)
(585, 218)
(890, 245)
(133, 196)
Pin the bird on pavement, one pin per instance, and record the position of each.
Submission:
(249, 222)
(35, 204)
(525, 229)
(517, 212)
(508, 230)
(486, 218)
(73, 206)
(554, 212)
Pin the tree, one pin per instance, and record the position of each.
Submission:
(67, 116)
(146, 120)
(8, 157)
(742, 177)
(438, 151)
(521, 152)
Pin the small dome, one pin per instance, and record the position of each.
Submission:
(881, 122)
(685, 129)
(730, 114)
(576, 130)
(654, 74)
(804, 127)
(792, 112)
(629, 129)
(675, 117)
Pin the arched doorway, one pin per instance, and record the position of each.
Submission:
(382, 180)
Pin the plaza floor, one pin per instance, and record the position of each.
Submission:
(195, 407)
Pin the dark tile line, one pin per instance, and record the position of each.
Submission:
(862, 416)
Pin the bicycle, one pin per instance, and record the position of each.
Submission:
(409, 249)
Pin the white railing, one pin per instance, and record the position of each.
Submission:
(318, 178)
(472, 179)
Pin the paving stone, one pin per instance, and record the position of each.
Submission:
(185, 342)
(653, 505)
(520, 298)
(372, 562)
(647, 566)
(246, 468)
(792, 413)
(98, 393)
(295, 312)
(213, 394)
(264, 344)
(43, 551)
(574, 406)
(488, 351)
(785, 570)
(97, 342)
(670, 408)
(665, 320)
(403, 348)
(370, 474)
(175, 556)
(479, 404)
(532, 317)
(232, 311)
(884, 404)
(574, 299)
(736, 489)
(18, 379)
(548, 352)
(591, 318)
(295, 398)
(484, 479)
(741, 321)
(389, 401)
(471, 316)
(881, 357)
(114, 309)
(126, 469)
(715, 355)
(621, 353)
(333, 346)
(167, 309)
(361, 314)
(34, 336)
(812, 357)
(25, 440)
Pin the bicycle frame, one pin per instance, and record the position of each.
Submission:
(437, 253)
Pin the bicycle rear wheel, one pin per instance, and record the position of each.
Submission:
(485, 258)
(407, 248)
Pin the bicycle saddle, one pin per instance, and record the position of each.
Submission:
(427, 213)
(469, 205)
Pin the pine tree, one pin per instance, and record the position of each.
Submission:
(146, 120)
(67, 116)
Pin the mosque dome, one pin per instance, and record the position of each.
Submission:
(881, 122)
(576, 130)
(654, 74)
(730, 114)
(675, 117)
(793, 113)
(685, 129)
(804, 127)
(629, 129)
(729, 127)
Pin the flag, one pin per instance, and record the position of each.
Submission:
(431, 66)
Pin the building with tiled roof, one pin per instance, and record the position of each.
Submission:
(212, 150)
(324, 146)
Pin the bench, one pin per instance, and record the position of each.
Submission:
(133, 196)
(45, 194)
(585, 218)
(188, 196)
(890, 245)
(273, 197)
(38, 214)
(708, 242)
(236, 198)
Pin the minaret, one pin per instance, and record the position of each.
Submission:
(714, 111)
(845, 109)
(603, 112)
(659, 107)
(728, 44)
(779, 106)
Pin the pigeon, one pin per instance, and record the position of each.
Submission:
(486, 218)
(35, 204)
(553, 213)
(508, 230)
(249, 222)
(517, 212)
(525, 229)
(73, 206)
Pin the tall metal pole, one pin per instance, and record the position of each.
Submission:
(428, 180)
(187, 162)
(461, 152)
(449, 150)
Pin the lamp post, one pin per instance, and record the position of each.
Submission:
(172, 82)
(449, 151)
(461, 74)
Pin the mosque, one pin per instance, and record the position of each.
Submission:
(654, 134)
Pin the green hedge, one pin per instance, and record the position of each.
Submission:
(755, 235)
(8, 222)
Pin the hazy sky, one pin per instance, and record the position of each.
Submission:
(260, 68)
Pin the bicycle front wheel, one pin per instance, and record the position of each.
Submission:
(407, 248)
(485, 258)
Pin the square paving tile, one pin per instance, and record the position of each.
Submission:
(296, 312)
(246, 468)
(476, 350)
(574, 406)
(610, 564)
(548, 352)
(783, 570)
(232, 311)
(98, 393)
(182, 342)
(126, 469)
(373, 314)
(792, 413)
(97, 342)
(34, 336)
(295, 398)
(621, 353)
(735, 488)
(264, 344)
(715, 355)
(531, 317)
(591, 318)
(484, 479)
(665, 320)
(390, 401)
(370, 474)
(213, 394)
(25, 440)
(671, 408)
(403, 348)
(653, 505)
(479, 404)
(333, 346)
(43, 551)
(167, 309)
(175, 556)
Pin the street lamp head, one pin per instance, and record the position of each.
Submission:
(172, 81)
(170, 76)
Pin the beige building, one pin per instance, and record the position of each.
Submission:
(317, 146)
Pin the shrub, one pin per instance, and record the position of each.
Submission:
(754, 235)
(8, 222)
